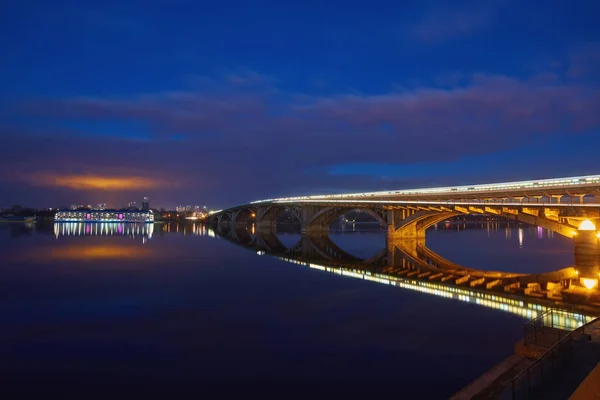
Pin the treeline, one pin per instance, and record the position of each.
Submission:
(20, 211)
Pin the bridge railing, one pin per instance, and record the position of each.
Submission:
(550, 327)
(525, 384)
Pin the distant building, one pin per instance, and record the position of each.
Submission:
(103, 216)
(132, 204)
(101, 206)
(190, 209)
(76, 206)
(146, 204)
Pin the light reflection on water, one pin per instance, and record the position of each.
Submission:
(526, 308)
(103, 229)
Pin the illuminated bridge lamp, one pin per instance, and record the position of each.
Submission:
(589, 283)
(587, 225)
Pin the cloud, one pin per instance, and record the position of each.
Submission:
(91, 182)
(490, 106)
(487, 106)
(241, 144)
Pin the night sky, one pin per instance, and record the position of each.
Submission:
(220, 103)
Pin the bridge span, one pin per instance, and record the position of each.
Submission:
(567, 206)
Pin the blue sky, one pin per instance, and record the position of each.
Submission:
(194, 102)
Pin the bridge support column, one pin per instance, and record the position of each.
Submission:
(224, 219)
(399, 225)
(266, 219)
(402, 226)
(587, 258)
(240, 218)
(312, 225)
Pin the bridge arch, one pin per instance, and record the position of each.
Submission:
(243, 215)
(268, 214)
(224, 218)
(415, 225)
(409, 221)
(266, 217)
(564, 229)
(323, 218)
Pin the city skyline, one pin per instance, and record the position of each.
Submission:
(387, 97)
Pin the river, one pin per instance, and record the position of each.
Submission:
(176, 308)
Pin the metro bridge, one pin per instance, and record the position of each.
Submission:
(560, 205)
(567, 206)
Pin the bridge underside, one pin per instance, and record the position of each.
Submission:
(410, 221)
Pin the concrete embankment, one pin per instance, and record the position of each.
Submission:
(550, 369)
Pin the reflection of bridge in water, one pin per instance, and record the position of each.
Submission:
(411, 265)
(103, 229)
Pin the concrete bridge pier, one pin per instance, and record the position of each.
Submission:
(412, 224)
(587, 257)
(241, 218)
(315, 220)
(266, 219)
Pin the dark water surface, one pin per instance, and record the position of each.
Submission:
(191, 312)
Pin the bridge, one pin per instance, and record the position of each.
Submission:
(567, 206)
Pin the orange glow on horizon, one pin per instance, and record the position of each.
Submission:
(87, 182)
(100, 182)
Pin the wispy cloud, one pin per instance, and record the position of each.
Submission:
(242, 135)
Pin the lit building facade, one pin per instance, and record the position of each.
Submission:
(104, 216)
